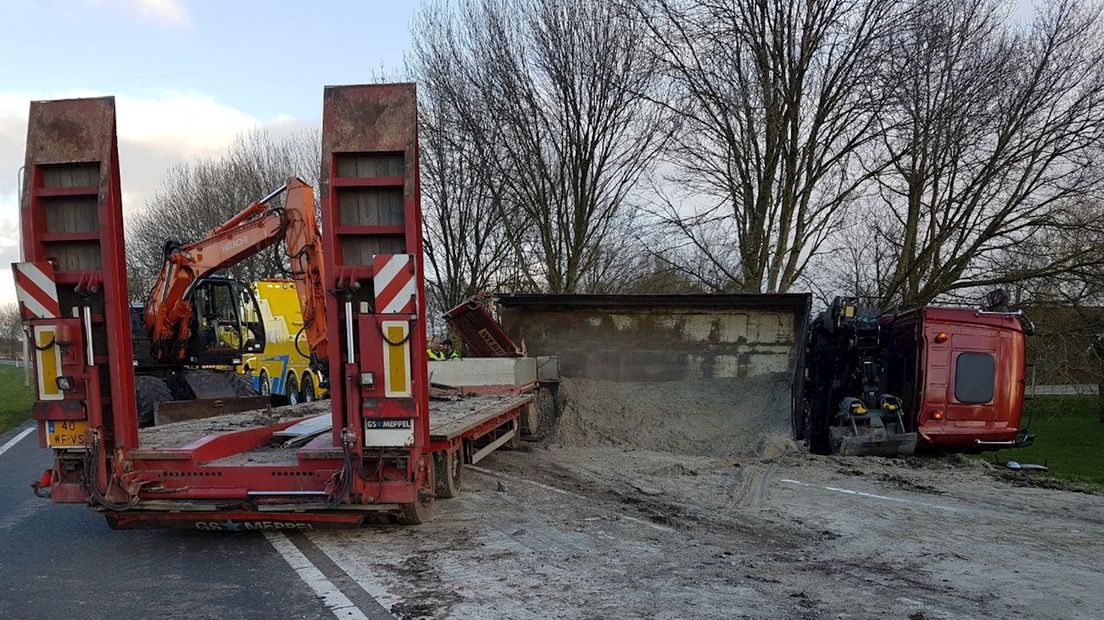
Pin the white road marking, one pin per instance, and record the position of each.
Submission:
(14, 440)
(546, 487)
(359, 572)
(900, 500)
(331, 596)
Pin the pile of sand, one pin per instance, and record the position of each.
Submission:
(724, 417)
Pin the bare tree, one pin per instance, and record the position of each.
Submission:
(11, 330)
(554, 95)
(775, 102)
(994, 135)
(465, 238)
(197, 196)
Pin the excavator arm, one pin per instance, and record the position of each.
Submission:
(169, 311)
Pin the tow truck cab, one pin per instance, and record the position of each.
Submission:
(963, 372)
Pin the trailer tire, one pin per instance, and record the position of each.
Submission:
(514, 442)
(417, 513)
(148, 391)
(449, 469)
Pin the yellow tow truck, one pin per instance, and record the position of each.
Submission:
(282, 368)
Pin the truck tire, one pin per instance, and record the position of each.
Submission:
(291, 389)
(264, 384)
(307, 390)
(817, 436)
(148, 391)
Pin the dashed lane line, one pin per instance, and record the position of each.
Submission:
(331, 596)
(899, 500)
(14, 440)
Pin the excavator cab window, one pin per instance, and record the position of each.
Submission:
(226, 322)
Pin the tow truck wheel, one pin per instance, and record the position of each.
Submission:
(264, 384)
(291, 388)
(308, 389)
(449, 467)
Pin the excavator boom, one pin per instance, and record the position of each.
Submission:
(169, 311)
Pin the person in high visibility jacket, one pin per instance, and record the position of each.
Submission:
(440, 349)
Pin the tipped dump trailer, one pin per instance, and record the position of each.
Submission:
(386, 449)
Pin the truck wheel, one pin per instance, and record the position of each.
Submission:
(148, 391)
(264, 384)
(817, 436)
(449, 469)
(308, 388)
(291, 388)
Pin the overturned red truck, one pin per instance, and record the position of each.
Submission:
(947, 378)
(388, 450)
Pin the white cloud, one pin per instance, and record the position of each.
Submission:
(155, 132)
(164, 11)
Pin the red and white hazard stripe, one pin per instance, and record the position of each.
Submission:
(36, 290)
(393, 281)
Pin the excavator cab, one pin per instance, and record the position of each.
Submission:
(226, 322)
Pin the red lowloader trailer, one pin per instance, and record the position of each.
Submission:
(391, 450)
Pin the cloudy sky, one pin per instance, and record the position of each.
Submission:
(188, 75)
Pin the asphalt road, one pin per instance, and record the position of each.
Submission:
(62, 561)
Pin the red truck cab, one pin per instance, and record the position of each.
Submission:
(963, 371)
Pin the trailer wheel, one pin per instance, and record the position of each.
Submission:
(148, 391)
(515, 442)
(449, 468)
(417, 513)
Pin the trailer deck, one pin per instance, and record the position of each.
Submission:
(450, 422)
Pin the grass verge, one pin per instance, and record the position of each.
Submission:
(1069, 439)
(15, 398)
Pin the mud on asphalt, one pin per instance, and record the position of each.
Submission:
(603, 532)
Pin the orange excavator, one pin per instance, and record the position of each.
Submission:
(195, 319)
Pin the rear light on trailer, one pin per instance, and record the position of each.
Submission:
(63, 335)
(937, 414)
(942, 337)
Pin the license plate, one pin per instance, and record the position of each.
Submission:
(66, 433)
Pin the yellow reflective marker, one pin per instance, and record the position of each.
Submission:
(396, 359)
(47, 363)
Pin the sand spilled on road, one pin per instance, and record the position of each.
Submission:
(719, 417)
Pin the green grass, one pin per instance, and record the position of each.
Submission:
(1069, 439)
(15, 398)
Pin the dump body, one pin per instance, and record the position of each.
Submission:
(963, 374)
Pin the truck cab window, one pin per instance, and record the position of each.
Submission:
(975, 374)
